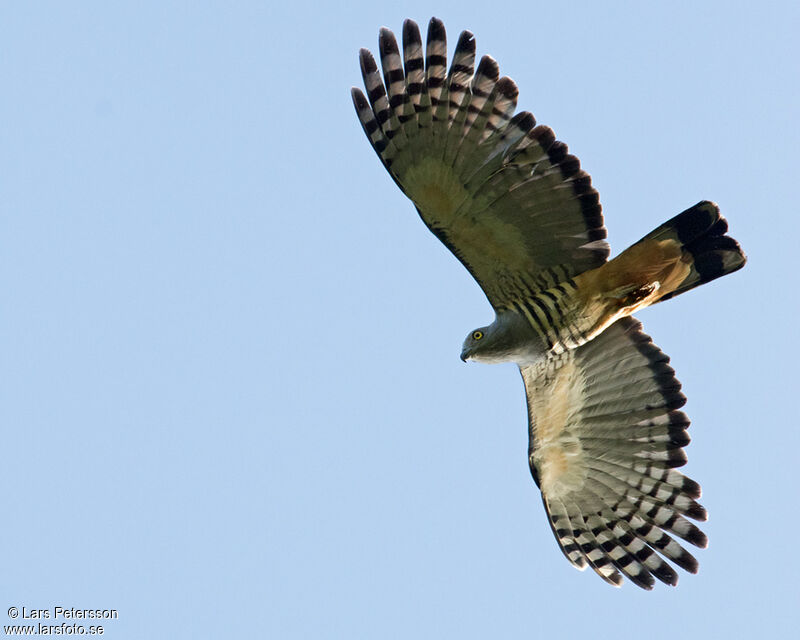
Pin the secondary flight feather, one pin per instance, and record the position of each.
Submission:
(605, 427)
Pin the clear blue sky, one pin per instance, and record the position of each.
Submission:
(232, 403)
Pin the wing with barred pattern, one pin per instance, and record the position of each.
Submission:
(500, 192)
(605, 436)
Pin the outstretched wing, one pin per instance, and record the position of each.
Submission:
(501, 193)
(605, 437)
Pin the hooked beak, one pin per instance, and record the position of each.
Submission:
(464, 355)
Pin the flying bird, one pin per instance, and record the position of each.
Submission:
(605, 428)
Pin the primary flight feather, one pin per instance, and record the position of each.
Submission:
(506, 197)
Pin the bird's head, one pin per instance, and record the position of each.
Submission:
(508, 339)
(474, 342)
(496, 343)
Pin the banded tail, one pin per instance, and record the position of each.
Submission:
(706, 249)
(681, 254)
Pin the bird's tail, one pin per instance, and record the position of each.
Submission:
(681, 254)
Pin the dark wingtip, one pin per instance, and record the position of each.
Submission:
(387, 43)
(411, 32)
(557, 152)
(359, 99)
(679, 437)
(687, 562)
(524, 120)
(642, 579)
(666, 574)
(507, 88)
(675, 458)
(698, 539)
(368, 64)
(466, 40)
(691, 488)
(436, 30)
(488, 67)
(569, 166)
(544, 135)
(697, 512)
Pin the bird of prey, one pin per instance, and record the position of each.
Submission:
(605, 427)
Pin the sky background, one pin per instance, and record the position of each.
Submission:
(231, 399)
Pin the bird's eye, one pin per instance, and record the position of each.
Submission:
(477, 335)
